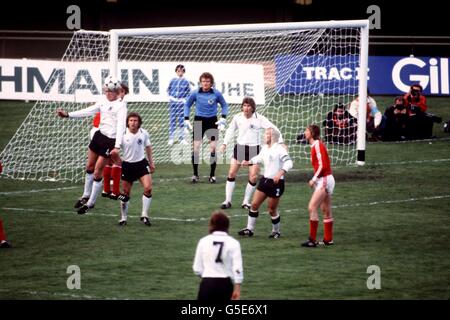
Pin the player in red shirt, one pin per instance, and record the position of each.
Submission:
(3, 242)
(323, 184)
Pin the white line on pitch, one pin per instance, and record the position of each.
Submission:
(36, 190)
(57, 294)
(94, 214)
(162, 180)
(407, 162)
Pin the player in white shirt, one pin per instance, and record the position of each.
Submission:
(276, 163)
(105, 143)
(248, 124)
(136, 166)
(113, 171)
(218, 261)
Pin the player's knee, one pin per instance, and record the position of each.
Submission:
(327, 213)
(148, 192)
(252, 179)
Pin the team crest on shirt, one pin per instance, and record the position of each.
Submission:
(139, 141)
(211, 101)
(110, 108)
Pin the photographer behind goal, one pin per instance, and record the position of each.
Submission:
(420, 122)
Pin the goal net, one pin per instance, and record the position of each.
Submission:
(297, 73)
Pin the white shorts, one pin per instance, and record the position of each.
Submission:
(326, 182)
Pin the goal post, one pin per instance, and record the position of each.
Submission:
(363, 59)
(296, 72)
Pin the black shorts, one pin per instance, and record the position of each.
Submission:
(242, 153)
(101, 144)
(205, 125)
(215, 289)
(132, 171)
(270, 188)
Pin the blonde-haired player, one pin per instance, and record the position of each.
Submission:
(277, 163)
(105, 143)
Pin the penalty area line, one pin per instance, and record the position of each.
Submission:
(100, 214)
(289, 211)
(5, 193)
(58, 294)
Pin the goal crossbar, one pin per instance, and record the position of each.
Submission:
(364, 46)
(297, 72)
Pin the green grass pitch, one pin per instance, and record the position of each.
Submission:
(393, 213)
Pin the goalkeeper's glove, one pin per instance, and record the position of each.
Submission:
(187, 126)
(221, 124)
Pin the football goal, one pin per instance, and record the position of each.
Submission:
(296, 73)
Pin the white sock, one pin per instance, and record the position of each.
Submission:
(124, 210)
(88, 180)
(248, 192)
(276, 226)
(251, 221)
(229, 188)
(97, 187)
(146, 201)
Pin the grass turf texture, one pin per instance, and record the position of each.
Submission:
(392, 213)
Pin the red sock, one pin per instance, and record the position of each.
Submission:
(2, 232)
(107, 179)
(313, 224)
(328, 229)
(116, 173)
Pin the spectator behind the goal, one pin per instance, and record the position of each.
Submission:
(218, 261)
(340, 126)
(178, 91)
(396, 121)
(373, 117)
(420, 122)
(106, 142)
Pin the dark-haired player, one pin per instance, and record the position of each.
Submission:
(218, 261)
(248, 124)
(136, 166)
